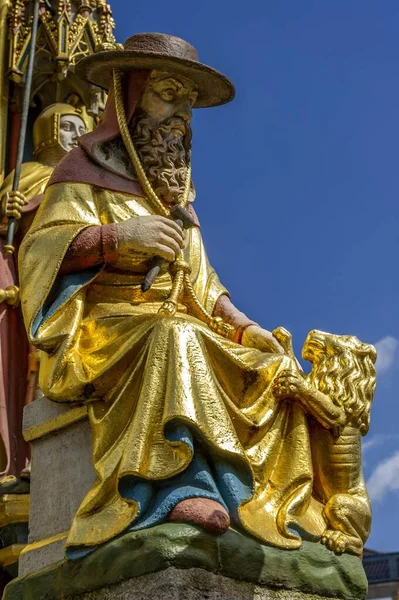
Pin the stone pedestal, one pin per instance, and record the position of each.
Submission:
(178, 556)
(62, 474)
(192, 584)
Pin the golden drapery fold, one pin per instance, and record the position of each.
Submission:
(34, 178)
(105, 343)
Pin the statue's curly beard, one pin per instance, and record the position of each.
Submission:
(164, 152)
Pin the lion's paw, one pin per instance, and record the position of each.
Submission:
(335, 540)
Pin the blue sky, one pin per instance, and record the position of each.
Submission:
(297, 179)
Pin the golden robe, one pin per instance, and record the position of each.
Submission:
(141, 373)
(33, 180)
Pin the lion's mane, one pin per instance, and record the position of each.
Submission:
(343, 369)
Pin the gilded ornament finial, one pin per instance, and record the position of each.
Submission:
(10, 295)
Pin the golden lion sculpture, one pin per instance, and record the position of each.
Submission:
(337, 395)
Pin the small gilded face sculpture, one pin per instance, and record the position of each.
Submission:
(71, 128)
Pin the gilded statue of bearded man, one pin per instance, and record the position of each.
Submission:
(178, 382)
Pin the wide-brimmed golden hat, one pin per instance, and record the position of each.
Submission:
(163, 52)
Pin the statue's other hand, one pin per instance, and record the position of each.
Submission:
(261, 339)
(150, 235)
(290, 384)
(12, 204)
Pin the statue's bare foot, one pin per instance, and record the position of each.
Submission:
(206, 513)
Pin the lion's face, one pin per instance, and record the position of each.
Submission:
(343, 368)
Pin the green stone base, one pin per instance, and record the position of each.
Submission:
(312, 570)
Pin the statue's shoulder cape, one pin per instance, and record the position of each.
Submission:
(78, 167)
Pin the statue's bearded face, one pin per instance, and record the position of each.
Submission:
(161, 132)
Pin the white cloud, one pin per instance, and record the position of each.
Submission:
(386, 350)
(371, 443)
(377, 440)
(385, 478)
